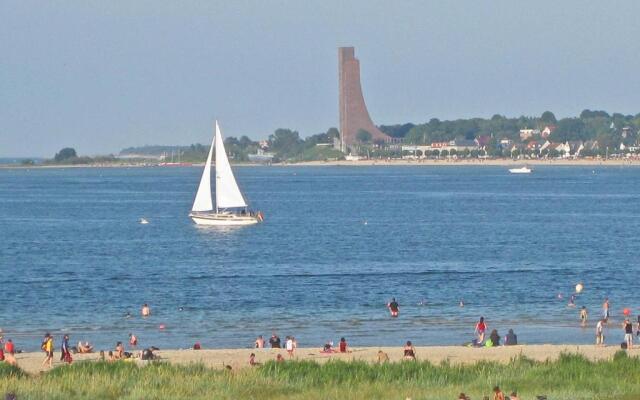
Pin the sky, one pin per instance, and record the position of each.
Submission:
(100, 76)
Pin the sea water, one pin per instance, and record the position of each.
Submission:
(336, 245)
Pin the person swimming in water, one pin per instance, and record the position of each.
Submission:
(461, 304)
(572, 301)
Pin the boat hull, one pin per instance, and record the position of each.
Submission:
(214, 219)
(520, 171)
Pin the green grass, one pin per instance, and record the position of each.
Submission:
(570, 377)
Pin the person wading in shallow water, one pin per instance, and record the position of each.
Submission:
(146, 310)
(393, 307)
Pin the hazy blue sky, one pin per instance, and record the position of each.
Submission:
(103, 75)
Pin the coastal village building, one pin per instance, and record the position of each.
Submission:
(528, 133)
(458, 146)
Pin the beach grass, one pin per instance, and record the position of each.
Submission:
(569, 377)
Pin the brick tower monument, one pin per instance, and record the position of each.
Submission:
(353, 111)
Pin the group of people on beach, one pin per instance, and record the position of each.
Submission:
(7, 351)
(510, 339)
(290, 343)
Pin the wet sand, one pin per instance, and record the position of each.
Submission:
(238, 358)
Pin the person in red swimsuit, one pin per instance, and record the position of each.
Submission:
(481, 328)
(394, 308)
(344, 348)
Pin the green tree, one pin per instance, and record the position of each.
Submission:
(333, 133)
(363, 136)
(285, 143)
(548, 118)
(65, 154)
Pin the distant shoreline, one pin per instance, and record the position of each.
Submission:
(367, 163)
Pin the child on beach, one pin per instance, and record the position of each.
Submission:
(393, 307)
(291, 346)
(600, 333)
(481, 328)
(252, 360)
(382, 357)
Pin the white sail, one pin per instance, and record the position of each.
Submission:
(227, 191)
(203, 200)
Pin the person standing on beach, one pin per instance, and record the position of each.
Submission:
(600, 333)
(274, 341)
(64, 350)
(290, 346)
(259, 342)
(393, 307)
(47, 347)
(481, 328)
(605, 309)
(628, 333)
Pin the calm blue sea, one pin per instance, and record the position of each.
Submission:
(337, 244)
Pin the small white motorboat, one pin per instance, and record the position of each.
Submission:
(522, 170)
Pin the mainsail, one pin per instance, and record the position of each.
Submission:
(227, 191)
(203, 200)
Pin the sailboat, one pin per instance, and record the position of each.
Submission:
(231, 207)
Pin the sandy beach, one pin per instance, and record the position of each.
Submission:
(238, 358)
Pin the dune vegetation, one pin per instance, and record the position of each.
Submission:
(569, 377)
